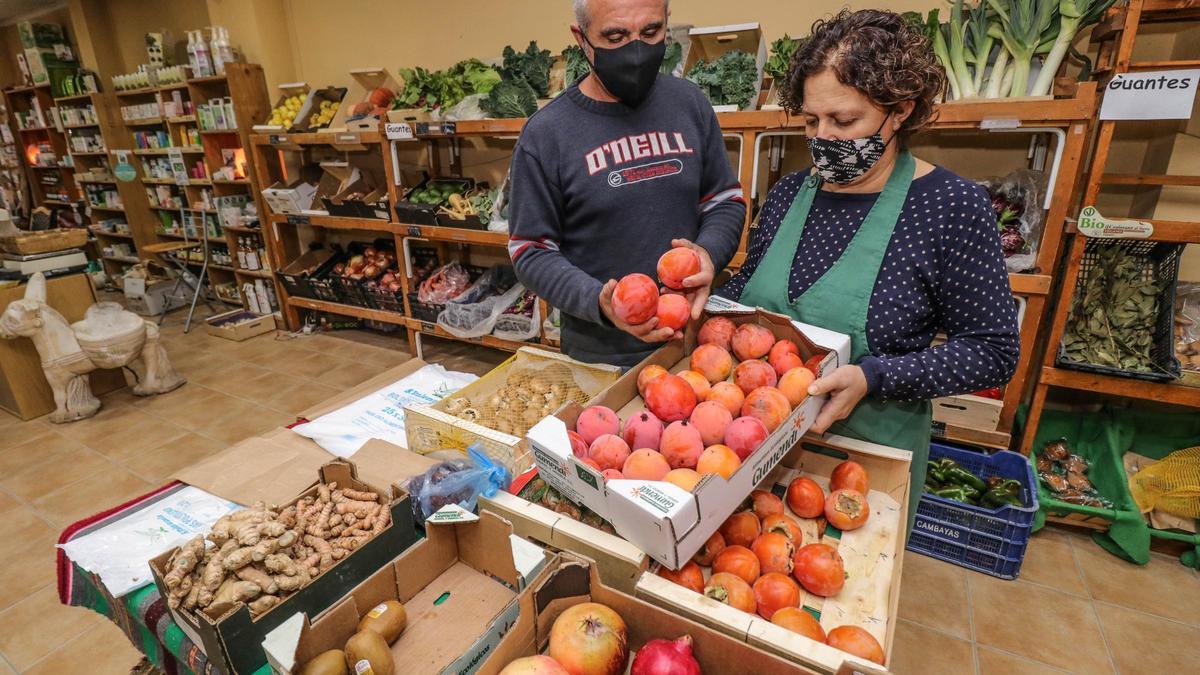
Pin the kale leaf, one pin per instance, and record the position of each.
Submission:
(781, 56)
(510, 98)
(730, 79)
(577, 64)
(672, 58)
(531, 65)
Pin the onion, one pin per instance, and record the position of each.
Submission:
(666, 657)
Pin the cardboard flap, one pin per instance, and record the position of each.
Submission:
(271, 469)
(383, 463)
(485, 546)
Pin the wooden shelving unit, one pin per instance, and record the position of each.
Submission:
(175, 203)
(1116, 34)
(51, 182)
(1069, 117)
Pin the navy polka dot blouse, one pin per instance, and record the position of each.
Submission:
(943, 271)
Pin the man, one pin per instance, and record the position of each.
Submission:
(622, 166)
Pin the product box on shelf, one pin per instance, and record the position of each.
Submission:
(663, 520)
(872, 555)
(461, 590)
(292, 96)
(293, 197)
(233, 640)
(709, 43)
(327, 96)
(572, 580)
(360, 197)
(530, 372)
(367, 100)
(156, 297)
(239, 325)
(336, 176)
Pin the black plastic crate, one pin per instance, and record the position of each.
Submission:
(299, 285)
(425, 214)
(1161, 264)
(424, 311)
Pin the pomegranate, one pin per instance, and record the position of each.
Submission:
(666, 657)
(534, 665)
(589, 639)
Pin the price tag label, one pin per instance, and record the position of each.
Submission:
(414, 231)
(276, 139)
(1092, 224)
(428, 326)
(423, 129)
(398, 131)
(298, 220)
(348, 138)
(989, 125)
(449, 128)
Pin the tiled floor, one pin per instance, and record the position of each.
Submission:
(1075, 608)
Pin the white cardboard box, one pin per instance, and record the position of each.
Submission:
(292, 198)
(149, 301)
(669, 524)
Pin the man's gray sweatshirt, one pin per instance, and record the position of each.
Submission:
(599, 190)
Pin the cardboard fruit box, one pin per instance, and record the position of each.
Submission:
(358, 112)
(239, 324)
(430, 428)
(462, 594)
(709, 43)
(573, 581)
(666, 522)
(873, 557)
(233, 640)
(286, 91)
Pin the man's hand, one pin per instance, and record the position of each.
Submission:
(847, 386)
(697, 286)
(646, 332)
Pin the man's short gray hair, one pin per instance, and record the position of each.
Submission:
(581, 13)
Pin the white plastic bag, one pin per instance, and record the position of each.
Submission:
(473, 314)
(119, 553)
(381, 413)
(519, 326)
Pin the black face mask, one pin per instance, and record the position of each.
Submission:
(629, 71)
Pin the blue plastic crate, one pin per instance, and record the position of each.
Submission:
(992, 541)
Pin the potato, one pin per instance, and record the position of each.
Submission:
(332, 662)
(370, 647)
(387, 618)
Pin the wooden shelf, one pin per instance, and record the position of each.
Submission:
(211, 79)
(169, 235)
(81, 126)
(158, 181)
(145, 122)
(75, 97)
(218, 131)
(95, 181)
(319, 138)
(456, 235)
(1162, 392)
(223, 268)
(137, 92)
(58, 202)
(116, 209)
(122, 259)
(116, 235)
(89, 153)
(190, 150)
(51, 168)
(349, 310)
(1030, 284)
(261, 274)
(1177, 231)
(181, 119)
(239, 181)
(339, 222)
(38, 129)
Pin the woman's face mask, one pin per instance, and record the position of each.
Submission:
(845, 161)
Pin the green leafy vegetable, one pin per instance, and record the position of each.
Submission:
(532, 66)
(445, 88)
(730, 79)
(510, 98)
(781, 56)
(577, 63)
(672, 58)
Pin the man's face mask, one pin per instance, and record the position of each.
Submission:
(629, 71)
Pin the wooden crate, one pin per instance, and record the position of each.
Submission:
(970, 411)
(873, 559)
(45, 241)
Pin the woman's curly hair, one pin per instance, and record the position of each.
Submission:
(878, 53)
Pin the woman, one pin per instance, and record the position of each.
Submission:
(879, 245)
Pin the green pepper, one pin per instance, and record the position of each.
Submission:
(957, 492)
(1010, 485)
(996, 498)
(937, 471)
(957, 474)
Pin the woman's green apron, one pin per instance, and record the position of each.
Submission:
(839, 301)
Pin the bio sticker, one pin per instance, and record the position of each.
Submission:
(378, 611)
(1092, 224)
(363, 667)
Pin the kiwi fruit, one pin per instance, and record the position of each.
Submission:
(370, 647)
(332, 662)
(388, 618)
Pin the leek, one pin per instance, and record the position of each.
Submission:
(956, 32)
(979, 41)
(1075, 15)
(1025, 22)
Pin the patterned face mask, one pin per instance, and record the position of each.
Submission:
(845, 161)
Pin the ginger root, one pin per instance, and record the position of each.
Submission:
(263, 603)
(264, 581)
(184, 561)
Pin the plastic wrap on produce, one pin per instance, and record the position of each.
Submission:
(119, 552)
(381, 413)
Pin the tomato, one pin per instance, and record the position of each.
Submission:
(847, 509)
(785, 525)
(738, 561)
(856, 641)
(774, 591)
(819, 569)
(765, 504)
(774, 552)
(741, 529)
(814, 364)
(805, 498)
(706, 554)
(799, 621)
(850, 475)
(731, 590)
(689, 576)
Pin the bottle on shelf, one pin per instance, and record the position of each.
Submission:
(204, 66)
(252, 254)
